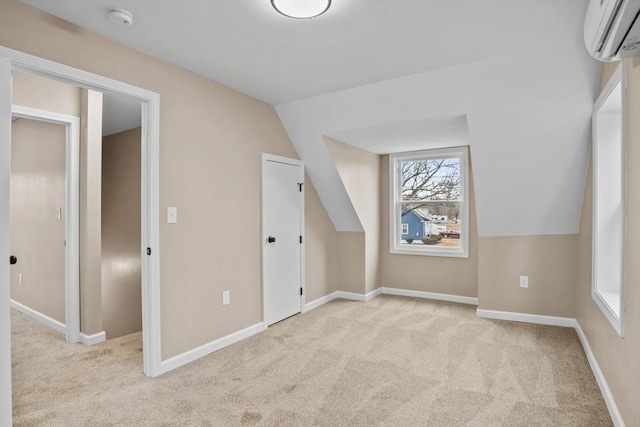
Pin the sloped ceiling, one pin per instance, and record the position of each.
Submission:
(529, 139)
(510, 78)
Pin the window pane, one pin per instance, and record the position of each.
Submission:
(433, 224)
(432, 179)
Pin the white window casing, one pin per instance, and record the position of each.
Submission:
(396, 227)
(608, 250)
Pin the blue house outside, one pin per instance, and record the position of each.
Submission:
(413, 224)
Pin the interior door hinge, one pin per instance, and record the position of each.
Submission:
(148, 251)
(300, 184)
(300, 291)
(300, 239)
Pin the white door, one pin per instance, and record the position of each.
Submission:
(5, 316)
(282, 224)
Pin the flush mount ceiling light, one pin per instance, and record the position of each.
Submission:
(301, 9)
(120, 16)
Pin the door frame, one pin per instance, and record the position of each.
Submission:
(71, 214)
(150, 102)
(294, 162)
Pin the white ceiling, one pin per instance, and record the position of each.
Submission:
(510, 78)
(246, 45)
(119, 115)
(445, 131)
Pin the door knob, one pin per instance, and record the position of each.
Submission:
(13, 259)
(271, 239)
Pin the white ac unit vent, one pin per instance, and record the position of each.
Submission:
(612, 29)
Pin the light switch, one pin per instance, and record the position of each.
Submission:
(172, 215)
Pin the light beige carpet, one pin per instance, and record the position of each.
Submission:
(391, 361)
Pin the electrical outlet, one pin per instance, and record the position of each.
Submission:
(226, 297)
(524, 281)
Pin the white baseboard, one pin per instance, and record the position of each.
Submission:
(389, 291)
(44, 319)
(351, 296)
(358, 297)
(527, 318)
(602, 382)
(429, 295)
(371, 295)
(93, 339)
(320, 301)
(198, 352)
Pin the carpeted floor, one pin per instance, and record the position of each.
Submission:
(392, 361)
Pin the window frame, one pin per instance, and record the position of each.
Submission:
(403, 226)
(395, 192)
(616, 319)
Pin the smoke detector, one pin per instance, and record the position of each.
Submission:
(120, 16)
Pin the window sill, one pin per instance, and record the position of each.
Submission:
(612, 299)
(422, 251)
(609, 304)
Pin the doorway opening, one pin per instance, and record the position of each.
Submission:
(121, 287)
(10, 61)
(43, 211)
(104, 201)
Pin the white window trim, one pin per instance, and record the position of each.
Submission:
(403, 227)
(619, 76)
(394, 214)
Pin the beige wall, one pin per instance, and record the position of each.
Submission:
(320, 238)
(456, 276)
(494, 265)
(359, 171)
(121, 246)
(90, 212)
(549, 261)
(366, 258)
(618, 357)
(37, 235)
(348, 267)
(211, 140)
(335, 260)
(45, 94)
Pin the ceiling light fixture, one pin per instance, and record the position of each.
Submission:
(301, 9)
(120, 16)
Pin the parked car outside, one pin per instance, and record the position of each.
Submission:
(450, 234)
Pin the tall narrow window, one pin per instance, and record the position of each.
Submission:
(608, 201)
(429, 207)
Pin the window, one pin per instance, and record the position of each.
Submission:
(607, 283)
(429, 195)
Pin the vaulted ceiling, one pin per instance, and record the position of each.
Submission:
(509, 78)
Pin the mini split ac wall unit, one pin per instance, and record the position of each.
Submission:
(612, 29)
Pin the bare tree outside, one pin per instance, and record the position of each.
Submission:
(431, 184)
